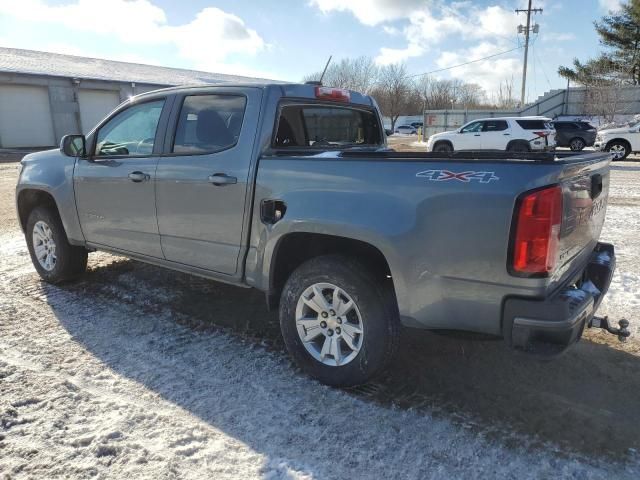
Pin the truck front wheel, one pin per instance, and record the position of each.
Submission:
(338, 320)
(54, 258)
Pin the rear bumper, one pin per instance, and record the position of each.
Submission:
(549, 326)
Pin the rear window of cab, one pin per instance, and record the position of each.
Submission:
(326, 127)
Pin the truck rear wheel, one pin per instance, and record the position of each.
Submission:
(54, 258)
(339, 323)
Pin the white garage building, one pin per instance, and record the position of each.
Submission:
(44, 96)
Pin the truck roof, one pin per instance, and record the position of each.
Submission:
(290, 90)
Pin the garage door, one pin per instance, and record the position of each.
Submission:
(95, 105)
(25, 117)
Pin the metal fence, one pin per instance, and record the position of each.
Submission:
(603, 104)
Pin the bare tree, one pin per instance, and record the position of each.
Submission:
(504, 96)
(470, 95)
(359, 74)
(392, 91)
(447, 94)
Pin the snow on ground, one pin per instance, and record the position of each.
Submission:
(132, 372)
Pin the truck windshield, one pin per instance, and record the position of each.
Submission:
(326, 126)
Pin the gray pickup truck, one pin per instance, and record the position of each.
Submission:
(291, 189)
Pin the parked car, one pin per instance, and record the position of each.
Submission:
(406, 130)
(574, 134)
(291, 189)
(513, 134)
(619, 141)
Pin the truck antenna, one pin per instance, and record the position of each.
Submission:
(325, 69)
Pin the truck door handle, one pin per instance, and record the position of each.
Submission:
(138, 177)
(219, 179)
(476, 135)
(506, 134)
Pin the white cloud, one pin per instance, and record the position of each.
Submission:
(371, 12)
(610, 5)
(388, 56)
(208, 41)
(486, 30)
(487, 73)
(558, 37)
(391, 30)
(497, 20)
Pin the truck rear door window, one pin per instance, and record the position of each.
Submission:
(326, 126)
(209, 123)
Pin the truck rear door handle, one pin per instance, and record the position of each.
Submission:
(138, 177)
(476, 135)
(506, 134)
(219, 179)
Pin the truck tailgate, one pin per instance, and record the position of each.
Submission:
(585, 193)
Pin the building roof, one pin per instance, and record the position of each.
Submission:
(14, 60)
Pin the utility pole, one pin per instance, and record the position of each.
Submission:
(526, 31)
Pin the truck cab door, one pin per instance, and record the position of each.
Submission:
(495, 135)
(115, 184)
(202, 181)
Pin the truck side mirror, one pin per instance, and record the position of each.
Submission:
(73, 145)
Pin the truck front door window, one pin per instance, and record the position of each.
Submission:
(131, 132)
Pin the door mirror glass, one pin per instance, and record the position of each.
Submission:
(73, 145)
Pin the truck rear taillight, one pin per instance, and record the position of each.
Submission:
(537, 232)
(542, 134)
(335, 94)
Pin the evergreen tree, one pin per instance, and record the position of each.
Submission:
(620, 63)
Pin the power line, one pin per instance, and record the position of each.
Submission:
(465, 63)
(535, 54)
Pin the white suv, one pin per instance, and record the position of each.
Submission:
(514, 134)
(619, 141)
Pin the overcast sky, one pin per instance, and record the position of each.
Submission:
(287, 39)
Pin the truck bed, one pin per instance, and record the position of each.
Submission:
(443, 222)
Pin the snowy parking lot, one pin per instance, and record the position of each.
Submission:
(134, 371)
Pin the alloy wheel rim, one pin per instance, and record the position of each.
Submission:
(577, 145)
(44, 246)
(618, 151)
(329, 324)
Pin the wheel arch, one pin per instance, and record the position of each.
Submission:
(30, 198)
(620, 140)
(518, 142)
(295, 248)
(445, 141)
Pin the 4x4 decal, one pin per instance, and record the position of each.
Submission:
(469, 176)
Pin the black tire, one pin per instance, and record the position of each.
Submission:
(70, 261)
(577, 144)
(518, 147)
(617, 146)
(374, 300)
(443, 147)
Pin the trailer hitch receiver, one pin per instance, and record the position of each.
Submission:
(603, 322)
